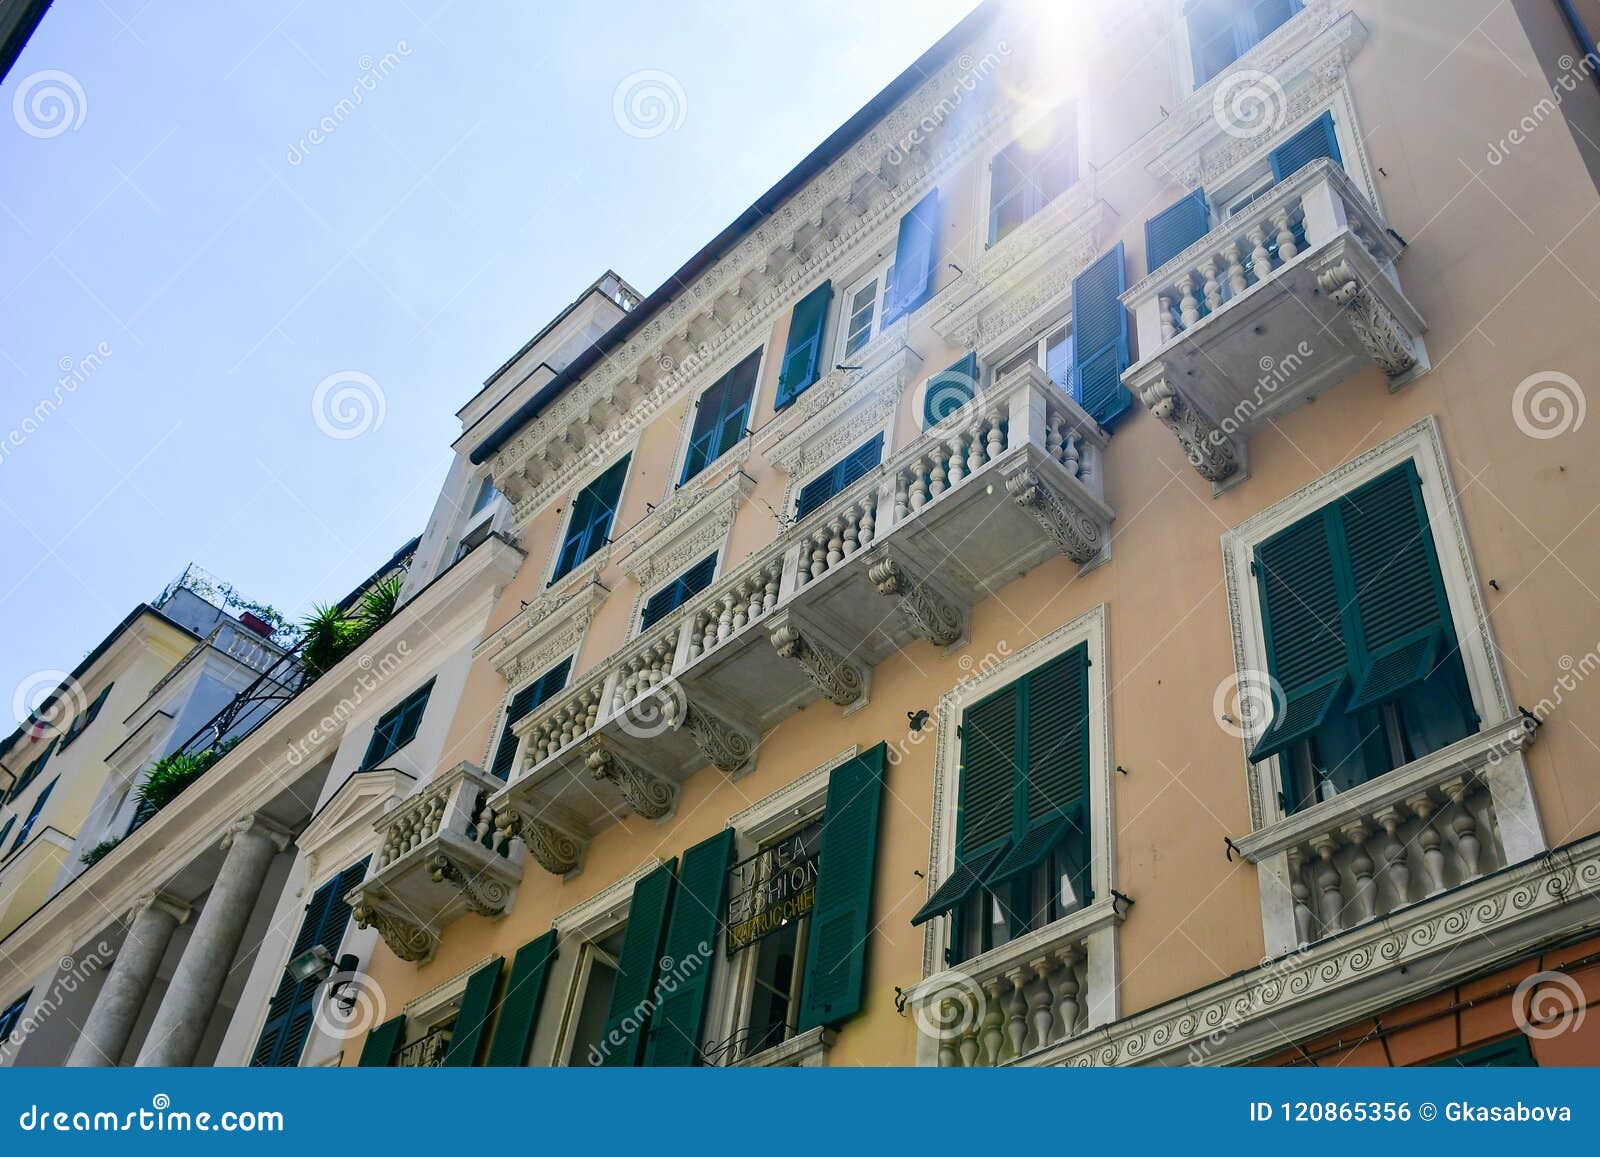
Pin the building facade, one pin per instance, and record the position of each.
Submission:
(1091, 568)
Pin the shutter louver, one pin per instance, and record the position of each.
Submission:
(802, 354)
(590, 521)
(968, 874)
(477, 1003)
(1100, 337)
(988, 772)
(631, 994)
(841, 918)
(949, 391)
(915, 258)
(1315, 141)
(855, 465)
(519, 1008)
(684, 972)
(1058, 738)
(381, 1043)
(1175, 228)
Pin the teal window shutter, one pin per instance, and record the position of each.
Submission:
(590, 521)
(293, 1006)
(33, 814)
(853, 466)
(524, 701)
(683, 588)
(1100, 337)
(5, 831)
(1511, 1053)
(477, 1003)
(632, 994)
(802, 353)
(519, 1008)
(397, 726)
(33, 770)
(949, 390)
(1175, 228)
(684, 972)
(1315, 141)
(916, 256)
(382, 1043)
(721, 416)
(841, 918)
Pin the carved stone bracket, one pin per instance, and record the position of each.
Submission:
(482, 893)
(925, 611)
(1376, 327)
(647, 795)
(727, 748)
(1210, 450)
(840, 681)
(557, 852)
(406, 938)
(1075, 533)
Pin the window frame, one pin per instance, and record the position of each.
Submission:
(798, 485)
(1038, 337)
(553, 573)
(396, 714)
(686, 447)
(881, 272)
(1073, 106)
(645, 596)
(1241, 20)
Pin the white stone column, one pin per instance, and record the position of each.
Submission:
(181, 1021)
(116, 1008)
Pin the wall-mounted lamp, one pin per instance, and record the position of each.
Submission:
(917, 719)
(317, 963)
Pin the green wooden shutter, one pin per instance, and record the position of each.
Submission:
(519, 1008)
(293, 1006)
(590, 521)
(802, 353)
(1175, 228)
(477, 1002)
(1314, 141)
(949, 390)
(1511, 1053)
(989, 771)
(916, 255)
(629, 1013)
(841, 918)
(1405, 623)
(1304, 625)
(382, 1043)
(524, 701)
(1100, 337)
(854, 465)
(684, 972)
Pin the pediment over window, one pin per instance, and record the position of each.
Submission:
(846, 407)
(691, 524)
(543, 631)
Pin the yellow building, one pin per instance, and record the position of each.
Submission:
(1091, 568)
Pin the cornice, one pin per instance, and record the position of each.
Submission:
(848, 404)
(684, 529)
(543, 631)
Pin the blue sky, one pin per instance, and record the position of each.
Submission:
(175, 245)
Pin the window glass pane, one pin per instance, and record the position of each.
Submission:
(1212, 39)
(1058, 358)
(1269, 14)
(486, 494)
(774, 998)
(1007, 191)
(858, 329)
(594, 1002)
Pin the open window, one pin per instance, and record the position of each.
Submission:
(1033, 170)
(1221, 31)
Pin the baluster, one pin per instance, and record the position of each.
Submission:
(819, 555)
(869, 507)
(1213, 291)
(1017, 1006)
(754, 586)
(1071, 456)
(969, 1039)
(1167, 331)
(852, 532)
(975, 447)
(1235, 264)
(725, 618)
(1188, 306)
(1301, 897)
(1361, 868)
(1328, 881)
(1397, 870)
(835, 542)
(1052, 436)
(957, 459)
(1039, 998)
(937, 485)
(949, 1013)
(902, 500)
(993, 1018)
(997, 436)
(1067, 990)
(1285, 238)
(769, 598)
(741, 608)
(1432, 857)
(919, 487)
(1260, 258)
(1465, 826)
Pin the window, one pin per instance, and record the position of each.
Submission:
(12, 1015)
(1032, 171)
(1511, 1053)
(1022, 830)
(861, 314)
(1051, 351)
(721, 416)
(1221, 31)
(5, 830)
(583, 1034)
(82, 722)
(852, 466)
(33, 815)
(802, 353)
(524, 701)
(486, 494)
(679, 591)
(31, 772)
(949, 391)
(1360, 640)
(397, 727)
(589, 525)
(474, 538)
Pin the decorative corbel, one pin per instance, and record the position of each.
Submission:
(839, 681)
(1376, 327)
(726, 747)
(1075, 534)
(647, 795)
(556, 851)
(929, 616)
(407, 939)
(483, 894)
(1209, 448)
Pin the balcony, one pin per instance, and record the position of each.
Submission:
(1285, 299)
(1435, 824)
(441, 856)
(903, 554)
(1045, 987)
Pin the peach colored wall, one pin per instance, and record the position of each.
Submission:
(1500, 306)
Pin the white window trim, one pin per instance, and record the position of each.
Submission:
(993, 675)
(740, 450)
(428, 1009)
(842, 315)
(597, 561)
